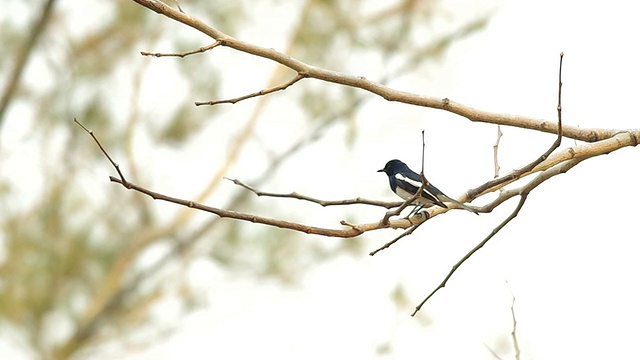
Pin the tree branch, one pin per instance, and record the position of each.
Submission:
(323, 203)
(353, 231)
(525, 190)
(258, 93)
(182, 54)
(588, 135)
(405, 233)
(523, 194)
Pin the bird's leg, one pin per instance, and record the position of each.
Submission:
(415, 210)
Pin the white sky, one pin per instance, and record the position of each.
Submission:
(569, 258)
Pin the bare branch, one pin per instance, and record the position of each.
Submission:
(406, 233)
(523, 194)
(354, 230)
(516, 174)
(588, 135)
(259, 93)
(183, 54)
(523, 198)
(620, 140)
(324, 203)
(123, 181)
(345, 233)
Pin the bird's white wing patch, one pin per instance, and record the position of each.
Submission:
(401, 177)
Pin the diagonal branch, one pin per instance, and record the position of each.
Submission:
(258, 93)
(582, 134)
(407, 232)
(345, 233)
(353, 231)
(123, 181)
(523, 192)
(523, 198)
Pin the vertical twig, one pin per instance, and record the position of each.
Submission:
(514, 337)
(496, 165)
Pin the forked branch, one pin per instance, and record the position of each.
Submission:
(351, 230)
(303, 69)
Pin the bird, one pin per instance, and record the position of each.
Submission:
(406, 182)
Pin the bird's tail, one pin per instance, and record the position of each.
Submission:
(444, 197)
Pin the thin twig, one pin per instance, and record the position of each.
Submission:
(407, 232)
(178, 5)
(496, 165)
(183, 54)
(324, 203)
(123, 181)
(262, 92)
(424, 180)
(560, 98)
(495, 355)
(514, 337)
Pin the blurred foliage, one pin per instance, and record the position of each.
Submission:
(74, 268)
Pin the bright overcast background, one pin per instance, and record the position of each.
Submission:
(569, 258)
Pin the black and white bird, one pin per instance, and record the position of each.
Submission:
(406, 182)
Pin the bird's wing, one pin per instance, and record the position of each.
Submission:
(408, 173)
(416, 179)
(410, 185)
(410, 181)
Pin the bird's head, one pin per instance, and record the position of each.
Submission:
(394, 166)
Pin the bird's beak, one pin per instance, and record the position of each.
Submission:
(381, 170)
